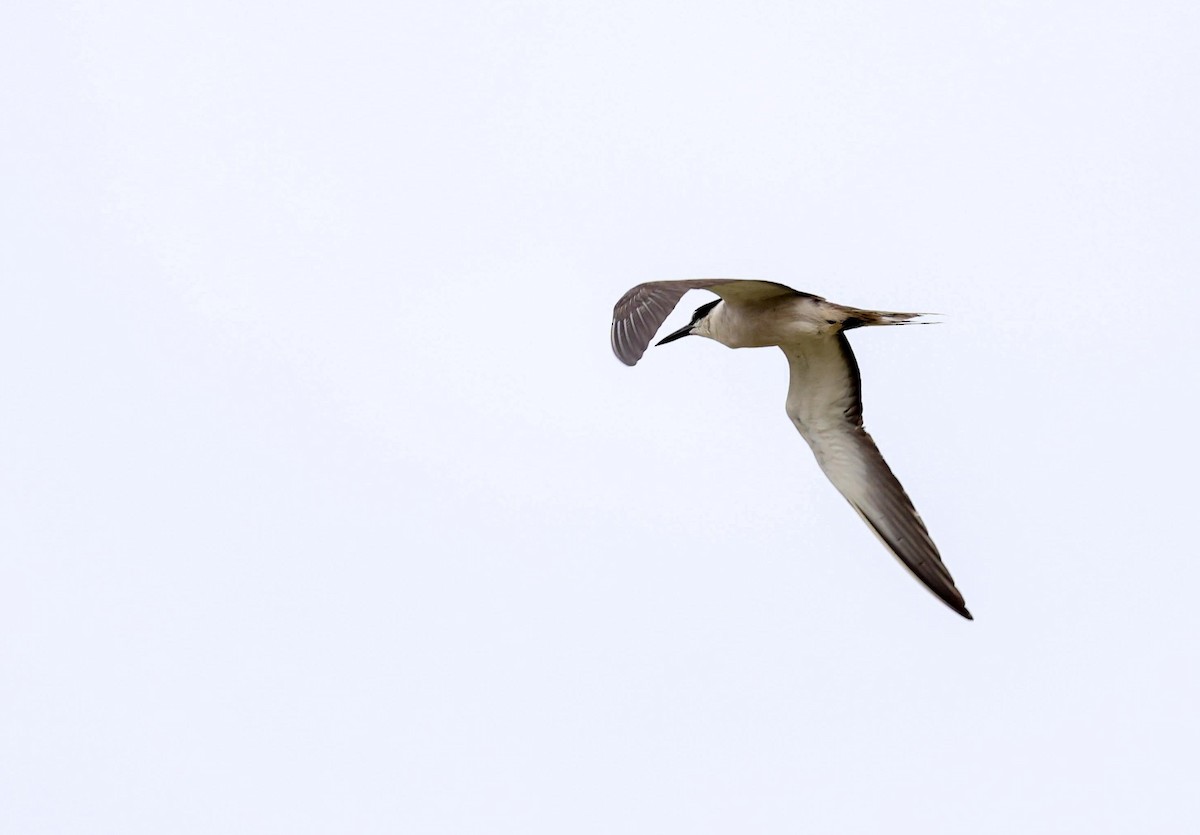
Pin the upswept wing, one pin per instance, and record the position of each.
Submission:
(825, 403)
(640, 312)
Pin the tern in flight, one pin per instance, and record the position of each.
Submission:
(824, 397)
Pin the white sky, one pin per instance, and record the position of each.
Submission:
(326, 509)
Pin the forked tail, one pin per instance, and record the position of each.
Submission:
(857, 318)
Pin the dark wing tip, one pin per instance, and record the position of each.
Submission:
(626, 347)
(924, 563)
(639, 314)
(949, 595)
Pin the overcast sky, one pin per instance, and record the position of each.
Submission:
(325, 507)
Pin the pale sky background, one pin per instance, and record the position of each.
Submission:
(325, 508)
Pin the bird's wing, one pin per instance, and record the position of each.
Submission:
(640, 312)
(825, 403)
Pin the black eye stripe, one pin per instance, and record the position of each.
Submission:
(702, 311)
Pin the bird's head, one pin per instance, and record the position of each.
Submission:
(699, 326)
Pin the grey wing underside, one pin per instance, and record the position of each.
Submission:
(639, 313)
(825, 404)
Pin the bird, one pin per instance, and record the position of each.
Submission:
(824, 398)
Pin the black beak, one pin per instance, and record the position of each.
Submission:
(679, 334)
